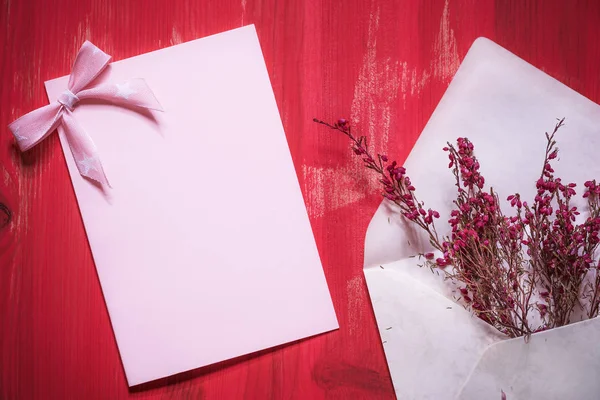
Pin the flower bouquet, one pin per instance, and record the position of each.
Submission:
(522, 274)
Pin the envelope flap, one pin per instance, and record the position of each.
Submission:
(562, 363)
(431, 343)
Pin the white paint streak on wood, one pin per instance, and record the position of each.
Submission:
(446, 61)
(412, 82)
(329, 189)
(375, 91)
(243, 11)
(356, 304)
(175, 37)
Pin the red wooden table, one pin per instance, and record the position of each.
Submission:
(384, 64)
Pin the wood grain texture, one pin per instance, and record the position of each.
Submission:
(384, 64)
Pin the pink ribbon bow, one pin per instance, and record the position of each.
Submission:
(33, 127)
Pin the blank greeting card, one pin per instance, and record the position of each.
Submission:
(202, 242)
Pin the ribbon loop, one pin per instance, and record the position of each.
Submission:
(68, 99)
(32, 128)
(89, 63)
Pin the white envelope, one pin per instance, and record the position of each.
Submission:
(435, 348)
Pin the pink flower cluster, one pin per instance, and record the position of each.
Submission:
(560, 251)
(467, 163)
(592, 188)
(476, 209)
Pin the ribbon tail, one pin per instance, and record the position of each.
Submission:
(84, 150)
(33, 127)
(134, 92)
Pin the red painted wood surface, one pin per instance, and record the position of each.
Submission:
(384, 64)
